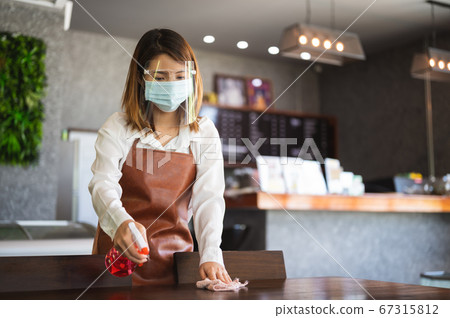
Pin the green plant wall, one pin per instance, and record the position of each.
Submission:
(22, 87)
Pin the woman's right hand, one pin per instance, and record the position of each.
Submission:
(123, 242)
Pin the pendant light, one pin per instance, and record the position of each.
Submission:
(327, 45)
(434, 63)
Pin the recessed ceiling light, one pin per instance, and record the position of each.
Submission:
(256, 82)
(302, 39)
(305, 55)
(340, 46)
(315, 42)
(209, 39)
(242, 45)
(273, 50)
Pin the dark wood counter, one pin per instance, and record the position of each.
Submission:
(316, 288)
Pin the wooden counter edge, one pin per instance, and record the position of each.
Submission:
(371, 202)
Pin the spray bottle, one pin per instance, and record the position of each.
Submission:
(120, 266)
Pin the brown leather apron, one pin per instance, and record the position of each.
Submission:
(157, 187)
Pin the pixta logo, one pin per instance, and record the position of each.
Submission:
(151, 155)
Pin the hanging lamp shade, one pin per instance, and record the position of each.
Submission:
(305, 41)
(434, 63)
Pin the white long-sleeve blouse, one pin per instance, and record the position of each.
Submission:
(207, 204)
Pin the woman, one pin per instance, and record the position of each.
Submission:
(158, 163)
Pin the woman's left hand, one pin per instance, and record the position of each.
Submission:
(213, 271)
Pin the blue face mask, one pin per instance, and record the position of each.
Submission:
(168, 95)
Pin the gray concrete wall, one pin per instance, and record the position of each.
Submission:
(30, 193)
(381, 246)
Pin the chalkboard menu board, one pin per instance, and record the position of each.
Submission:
(239, 128)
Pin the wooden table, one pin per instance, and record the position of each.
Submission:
(317, 288)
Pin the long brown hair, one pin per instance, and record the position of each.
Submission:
(153, 43)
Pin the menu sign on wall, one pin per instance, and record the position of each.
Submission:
(244, 133)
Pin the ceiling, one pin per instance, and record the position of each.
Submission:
(387, 23)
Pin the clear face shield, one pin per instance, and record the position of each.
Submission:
(170, 90)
